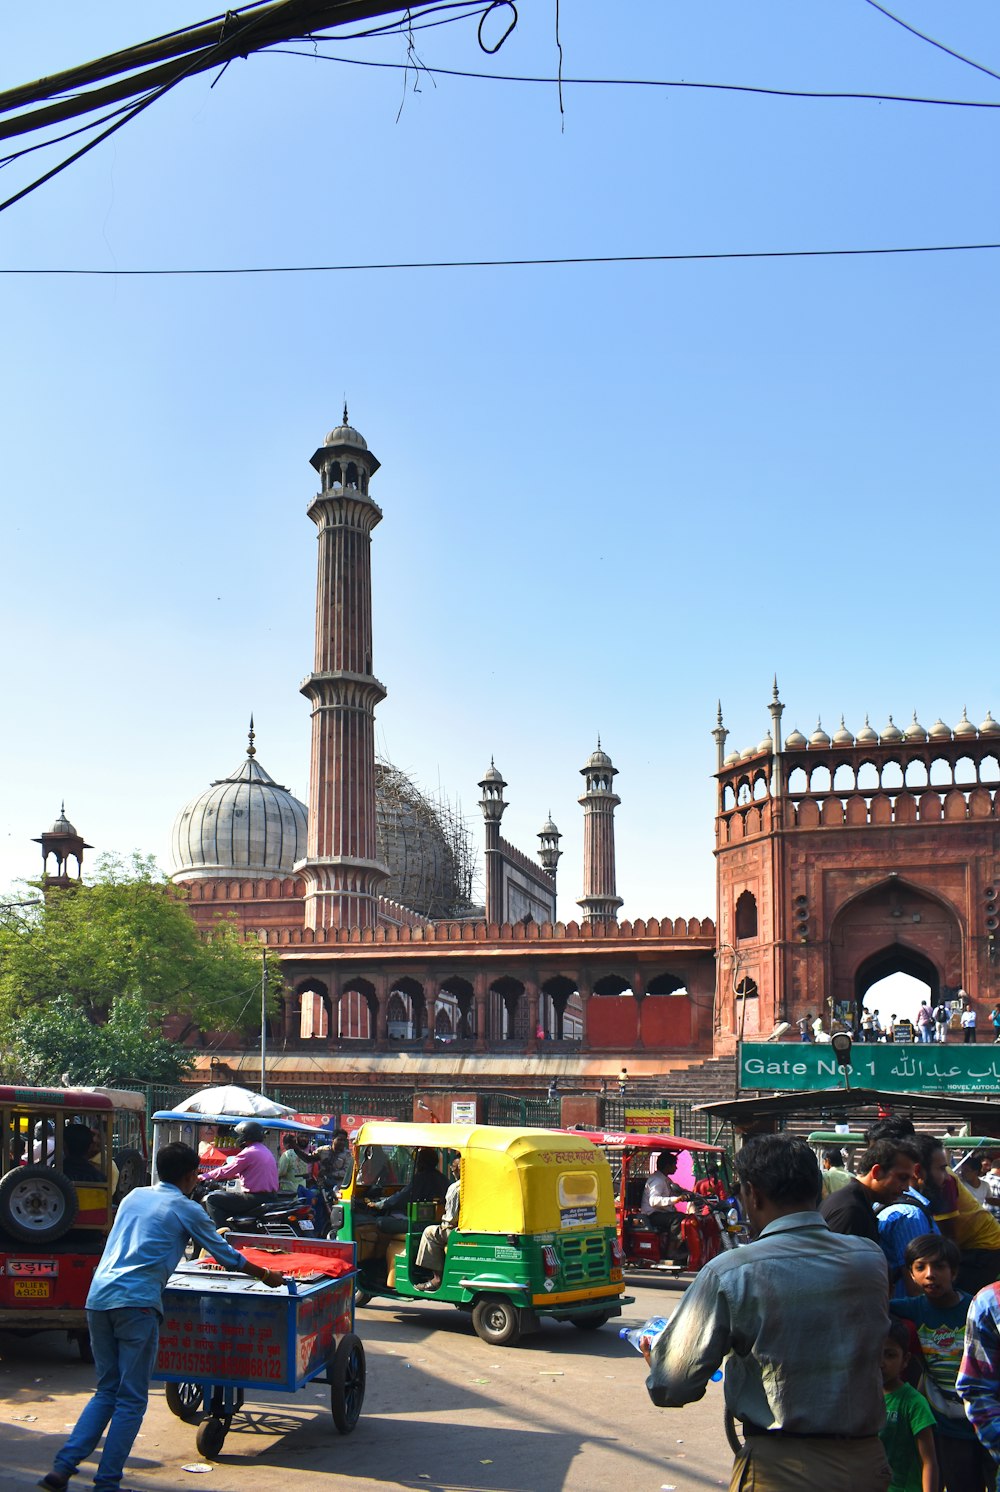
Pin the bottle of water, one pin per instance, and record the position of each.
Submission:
(650, 1328)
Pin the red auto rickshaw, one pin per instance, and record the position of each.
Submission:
(53, 1226)
(709, 1215)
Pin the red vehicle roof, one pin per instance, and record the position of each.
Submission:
(56, 1098)
(623, 1140)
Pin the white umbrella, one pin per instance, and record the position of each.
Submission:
(229, 1099)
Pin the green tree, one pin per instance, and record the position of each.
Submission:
(61, 1044)
(123, 948)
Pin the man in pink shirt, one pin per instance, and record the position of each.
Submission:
(255, 1166)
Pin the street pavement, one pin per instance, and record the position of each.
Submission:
(565, 1411)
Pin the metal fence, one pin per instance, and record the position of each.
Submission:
(687, 1124)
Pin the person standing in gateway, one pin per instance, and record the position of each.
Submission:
(800, 1316)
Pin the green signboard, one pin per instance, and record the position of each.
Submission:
(917, 1068)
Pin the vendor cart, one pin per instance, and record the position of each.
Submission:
(223, 1333)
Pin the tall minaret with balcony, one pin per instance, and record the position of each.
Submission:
(341, 870)
(493, 804)
(599, 801)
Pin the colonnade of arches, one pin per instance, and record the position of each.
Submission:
(479, 1011)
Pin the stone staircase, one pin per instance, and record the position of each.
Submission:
(701, 1082)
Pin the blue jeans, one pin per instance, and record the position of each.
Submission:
(124, 1343)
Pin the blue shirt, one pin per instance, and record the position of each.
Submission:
(150, 1233)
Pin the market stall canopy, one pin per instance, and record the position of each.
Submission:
(747, 1112)
(233, 1101)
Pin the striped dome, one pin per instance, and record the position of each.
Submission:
(245, 825)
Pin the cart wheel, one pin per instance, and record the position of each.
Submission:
(186, 1400)
(347, 1383)
(496, 1321)
(362, 1298)
(593, 1321)
(211, 1437)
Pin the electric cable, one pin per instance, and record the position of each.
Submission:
(554, 261)
(959, 57)
(805, 93)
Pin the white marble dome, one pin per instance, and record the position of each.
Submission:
(244, 826)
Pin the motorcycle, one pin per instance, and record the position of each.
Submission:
(284, 1215)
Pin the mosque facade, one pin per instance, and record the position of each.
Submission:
(840, 858)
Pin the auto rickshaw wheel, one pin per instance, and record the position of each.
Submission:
(37, 1204)
(186, 1400)
(593, 1321)
(362, 1298)
(132, 1170)
(211, 1437)
(348, 1374)
(496, 1321)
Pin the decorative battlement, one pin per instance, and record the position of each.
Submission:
(394, 913)
(256, 890)
(683, 930)
(528, 866)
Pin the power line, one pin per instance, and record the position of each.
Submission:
(454, 72)
(319, 269)
(959, 57)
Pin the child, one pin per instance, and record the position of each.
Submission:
(938, 1312)
(908, 1436)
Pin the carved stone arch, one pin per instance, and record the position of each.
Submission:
(890, 927)
(312, 1010)
(745, 915)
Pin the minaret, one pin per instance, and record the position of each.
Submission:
(776, 710)
(492, 803)
(599, 801)
(341, 870)
(550, 852)
(720, 733)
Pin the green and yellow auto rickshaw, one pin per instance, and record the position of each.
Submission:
(534, 1234)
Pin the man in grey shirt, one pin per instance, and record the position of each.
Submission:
(802, 1314)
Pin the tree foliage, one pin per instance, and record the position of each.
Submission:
(62, 1045)
(122, 952)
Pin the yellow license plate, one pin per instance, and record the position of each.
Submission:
(35, 1289)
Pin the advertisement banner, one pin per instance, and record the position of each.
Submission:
(931, 1068)
(655, 1119)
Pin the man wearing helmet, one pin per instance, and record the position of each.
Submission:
(255, 1166)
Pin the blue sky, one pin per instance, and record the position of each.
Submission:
(612, 493)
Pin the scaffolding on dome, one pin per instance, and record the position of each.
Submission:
(427, 845)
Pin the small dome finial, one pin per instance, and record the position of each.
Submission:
(346, 420)
(774, 689)
(251, 749)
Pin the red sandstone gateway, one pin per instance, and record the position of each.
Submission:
(57, 1198)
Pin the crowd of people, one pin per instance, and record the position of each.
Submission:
(932, 1023)
(860, 1330)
